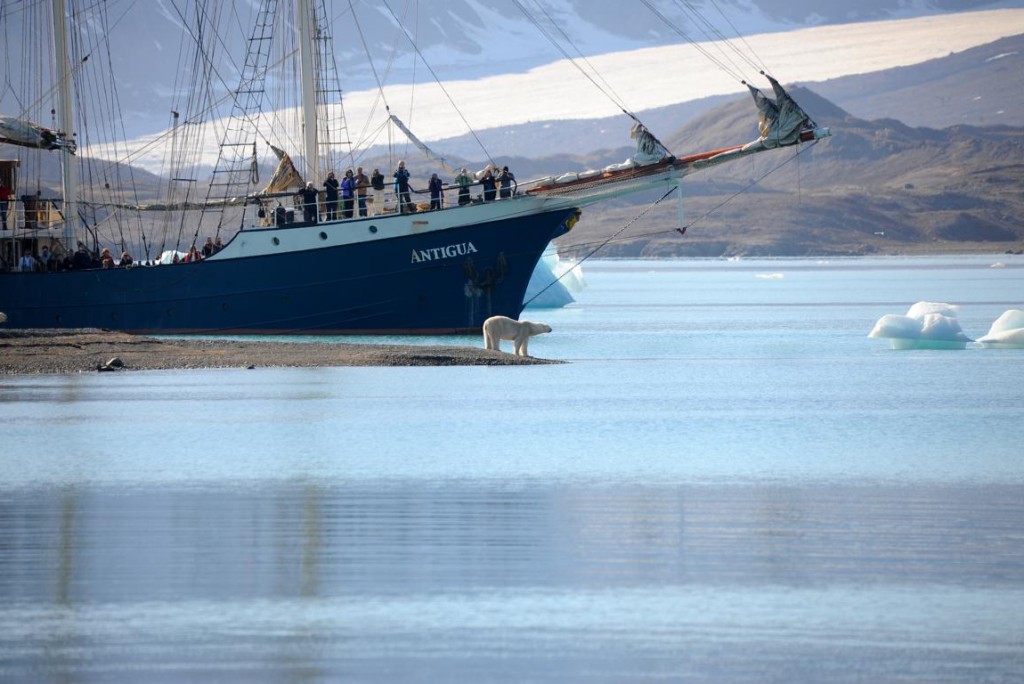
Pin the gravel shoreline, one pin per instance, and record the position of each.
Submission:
(29, 352)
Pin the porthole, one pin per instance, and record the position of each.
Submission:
(373, 229)
(275, 241)
(323, 235)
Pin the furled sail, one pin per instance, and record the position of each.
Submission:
(422, 145)
(27, 134)
(649, 149)
(285, 175)
(780, 120)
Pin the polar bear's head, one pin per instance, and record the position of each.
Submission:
(536, 328)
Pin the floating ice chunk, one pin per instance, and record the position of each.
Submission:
(1007, 332)
(927, 325)
(770, 276)
(943, 328)
(921, 309)
(998, 264)
(895, 326)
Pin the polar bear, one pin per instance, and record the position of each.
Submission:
(498, 328)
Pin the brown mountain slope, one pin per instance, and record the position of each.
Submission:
(875, 187)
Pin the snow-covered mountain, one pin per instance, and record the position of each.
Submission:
(457, 39)
(469, 39)
(505, 63)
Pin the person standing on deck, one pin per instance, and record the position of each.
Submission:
(377, 183)
(505, 181)
(403, 188)
(27, 264)
(309, 202)
(362, 185)
(463, 181)
(436, 188)
(348, 194)
(490, 187)
(5, 198)
(331, 196)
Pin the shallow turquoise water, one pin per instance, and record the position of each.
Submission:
(727, 482)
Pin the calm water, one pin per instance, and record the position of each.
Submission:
(728, 482)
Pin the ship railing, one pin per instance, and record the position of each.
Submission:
(261, 208)
(29, 213)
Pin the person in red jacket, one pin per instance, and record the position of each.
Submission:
(5, 198)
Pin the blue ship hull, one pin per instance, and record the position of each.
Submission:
(440, 281)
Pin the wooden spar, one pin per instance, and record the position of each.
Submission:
(303, 18)
(69, 171)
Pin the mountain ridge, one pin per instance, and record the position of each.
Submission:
(876, 187)
(880, 185)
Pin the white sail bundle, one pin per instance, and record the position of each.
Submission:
(27, 134)
(649, 149)
(780, 120)
(285, 176)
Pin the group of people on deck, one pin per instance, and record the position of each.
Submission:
(342, 199)
(52, 261)
(47, 260)
(362, 195)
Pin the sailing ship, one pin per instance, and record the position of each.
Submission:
(439, 271)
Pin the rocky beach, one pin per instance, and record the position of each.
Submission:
(26, 352)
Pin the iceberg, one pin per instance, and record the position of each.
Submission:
(927, 325)
(554, 281)
(1007, 332)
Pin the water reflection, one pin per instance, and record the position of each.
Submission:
(312, 580)
(298, 540)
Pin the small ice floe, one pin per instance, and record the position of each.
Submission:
(770, 276)
(1007, 332)
(927, 325)
(998, 264)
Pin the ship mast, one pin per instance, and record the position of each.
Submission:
(304, 20)
(65, 123)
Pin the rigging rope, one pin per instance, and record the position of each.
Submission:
(761, 62)
(440, 84)
(364, 135)
(614, 237)
(605, 89)
(730, 70)
(636, 218)
(713, 35)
